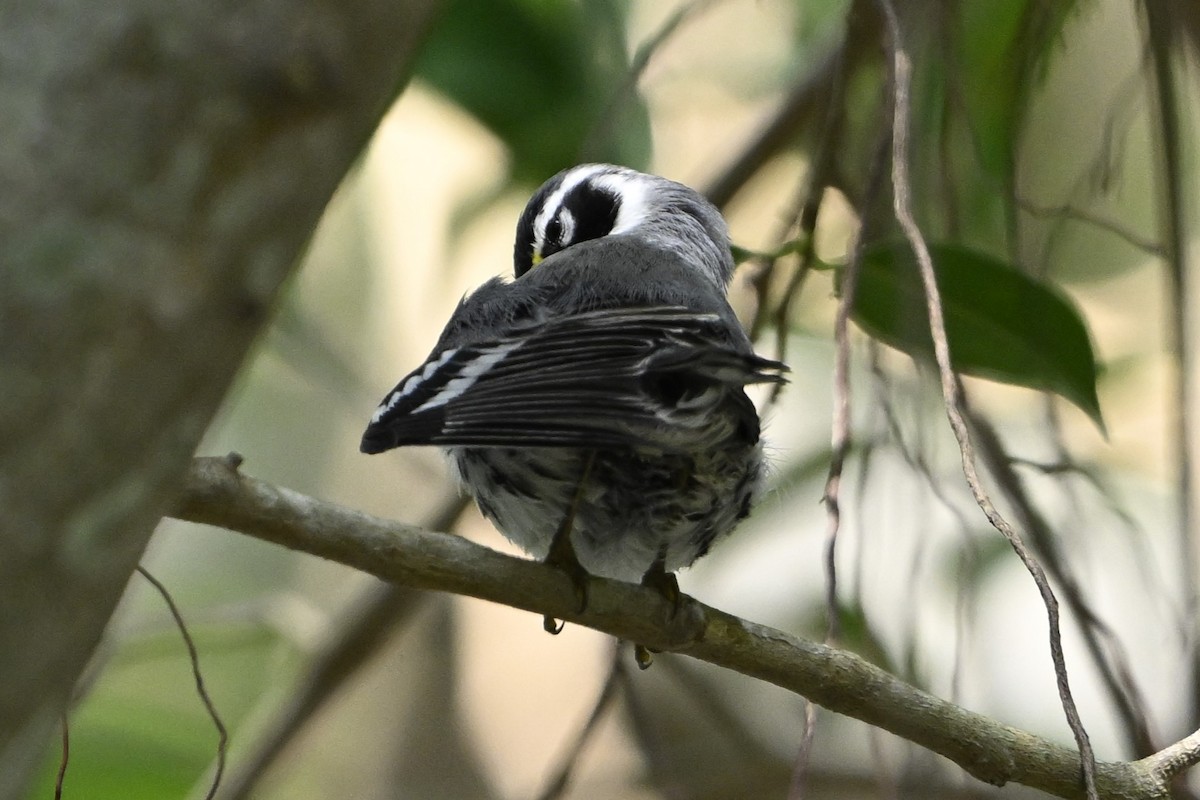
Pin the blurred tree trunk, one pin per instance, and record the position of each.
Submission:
(161, 168)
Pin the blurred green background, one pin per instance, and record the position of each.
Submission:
(1036, 140)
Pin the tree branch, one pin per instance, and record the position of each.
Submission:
(216, 493)
(1170, 761)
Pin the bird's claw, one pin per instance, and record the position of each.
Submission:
(643, 655)
(562, 556)
(667, 585)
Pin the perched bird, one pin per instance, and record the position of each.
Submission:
(595, 405)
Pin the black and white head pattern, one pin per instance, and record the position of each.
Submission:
(594, 200)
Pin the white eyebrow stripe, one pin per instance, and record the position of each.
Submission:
(633, 195)
(567, 219)
(554, 201)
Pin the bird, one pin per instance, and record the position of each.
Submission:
(595, 404)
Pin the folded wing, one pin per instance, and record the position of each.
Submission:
(610, 378)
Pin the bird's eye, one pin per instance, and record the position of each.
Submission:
(554, 230)
(559, 234)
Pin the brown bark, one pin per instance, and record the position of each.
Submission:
(217, 493)
(161, 166)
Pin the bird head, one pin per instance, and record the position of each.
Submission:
(591, 201)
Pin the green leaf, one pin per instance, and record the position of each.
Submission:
(1001, 323)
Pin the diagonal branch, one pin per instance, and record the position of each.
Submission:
(1103, 646)
(215, 493)
(901, 79)
(1170, 761)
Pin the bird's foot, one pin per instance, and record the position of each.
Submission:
(667, 585)
(643, 655)
(562, 557)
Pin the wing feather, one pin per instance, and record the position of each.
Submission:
(586, 380)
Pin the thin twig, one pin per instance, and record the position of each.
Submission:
(1067, 211)
(720, 707)
(65, 756)
(800, 765)
(810, 95)
(1102, 644)
(887, 786)
(799, 214)
(952, 101)
(194, 658)
(1063, 467)
(557, 786)
(609, 118)
(841, 444)
(803, 216)
(648, 739)
(842, 440)
(1123, 112)
(901, 190)
(916, 461)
